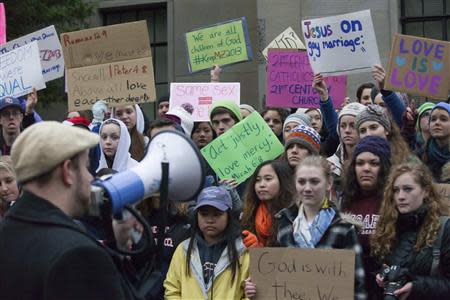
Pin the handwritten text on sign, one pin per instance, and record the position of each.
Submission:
(119, 83)
(220, 44)
(239, 151)
(201, 95)
(294, 273)
(288, 39)
(419, 66)
(341, 44)
(106, 44)
(20, 71)
(289, 81)
(52, 60)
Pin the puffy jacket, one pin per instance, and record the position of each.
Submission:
(179, 285)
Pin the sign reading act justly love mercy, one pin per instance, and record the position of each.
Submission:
(239, 151)
(294, 273)
(341, 44)
(220, 44)
(199, 96)
(289, 81)
(111, 63)
(419, 66)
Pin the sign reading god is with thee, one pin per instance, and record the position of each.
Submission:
(341, 44)
(289, 81)
(419, 66)
(199, 96)
(239, 151)
(111, 63)
(220, 44)
(310, 274)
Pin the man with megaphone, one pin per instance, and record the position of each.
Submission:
(44, 254)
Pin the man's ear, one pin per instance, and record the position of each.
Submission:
(67, 172)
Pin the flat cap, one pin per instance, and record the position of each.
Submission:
(43, 146)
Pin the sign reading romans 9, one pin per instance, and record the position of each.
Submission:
(199, 96)
(220, 44)
(341, 44)
(111, 63)
(289, 81)
(239, 151)
(419, 66)
(294, 273)
(52, 60)
(20, 71)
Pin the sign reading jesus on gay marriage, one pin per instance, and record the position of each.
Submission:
(341, 44)
(419, 66)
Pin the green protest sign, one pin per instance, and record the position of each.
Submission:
(221, 44)
(239, 151)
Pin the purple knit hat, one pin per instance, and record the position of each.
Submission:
(373, 144)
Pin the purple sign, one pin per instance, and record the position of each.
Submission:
(290, 77)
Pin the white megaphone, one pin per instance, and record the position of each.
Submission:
(185, 176)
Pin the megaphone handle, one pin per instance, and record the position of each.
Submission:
(164, 205)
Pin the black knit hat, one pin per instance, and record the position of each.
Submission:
(164, 98)
(373, 144)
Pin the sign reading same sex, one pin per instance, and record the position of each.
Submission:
(199, 96)
(238, 152)
(341, 44)
(52, 60)
(220, 44)
(20, 71)
(289, 81)
(419, 66)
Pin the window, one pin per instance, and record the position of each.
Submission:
(426, 18)
(156, 16)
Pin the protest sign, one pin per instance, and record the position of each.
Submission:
(201, 95)
(294, 273)
(110, 63)
(289, 81)
(443, 189)
(2, 24)
(52, 60)
(239, 151)
(20, 71)
(220, 44)
(419, 66)
(288, 39)
(341, 44)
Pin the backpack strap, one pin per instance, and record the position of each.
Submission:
(437, 246)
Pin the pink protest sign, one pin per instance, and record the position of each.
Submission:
(289, 81)
(2, 24)
(199, 96)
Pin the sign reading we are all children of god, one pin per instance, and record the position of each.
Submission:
(220, 44)
(238, 152)
(111, 63)
(342, 44)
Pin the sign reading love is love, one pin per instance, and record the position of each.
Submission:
(419, 66)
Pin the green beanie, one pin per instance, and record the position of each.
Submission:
(228, 104)
(423, 108)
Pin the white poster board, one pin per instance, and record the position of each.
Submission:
(288, 39)
(343, 44)
(51, 55)
(20, 71)
(199, 96)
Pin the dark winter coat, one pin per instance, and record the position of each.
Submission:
(419, 263)
(44, 254)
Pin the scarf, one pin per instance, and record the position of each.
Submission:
(317, 228)
(263, 222)
(439, 155)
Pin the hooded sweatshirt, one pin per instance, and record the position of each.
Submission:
(122, 159)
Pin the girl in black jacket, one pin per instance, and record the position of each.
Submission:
(406, 232)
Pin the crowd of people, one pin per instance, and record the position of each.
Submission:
(361, 177)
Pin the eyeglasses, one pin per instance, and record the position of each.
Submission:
(426, 114)
(10, 113)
